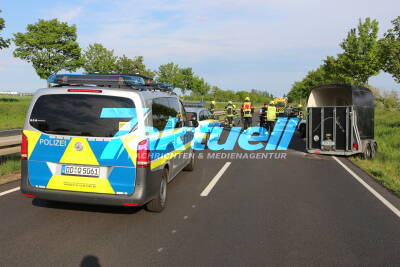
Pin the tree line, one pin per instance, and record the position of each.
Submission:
(364, 55)
(51, 46)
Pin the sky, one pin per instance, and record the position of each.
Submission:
(237, 44)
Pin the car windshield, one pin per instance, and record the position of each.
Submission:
(80, 115)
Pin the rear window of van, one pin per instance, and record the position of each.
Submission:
(79, 114)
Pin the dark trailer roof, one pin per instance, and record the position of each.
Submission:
(340, 95)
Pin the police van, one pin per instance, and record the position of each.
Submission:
(86, 140)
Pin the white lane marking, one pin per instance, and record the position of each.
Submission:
(369, 188)
(215, 180)
(9, 191)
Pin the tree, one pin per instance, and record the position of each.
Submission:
(390, 50)
(328, 73)
(332, 72)
(170, 73)
(200, 87)
(99, 59)
(360, 59)
(125, 65)
(4, 43)
(50, 46)
(187, 79)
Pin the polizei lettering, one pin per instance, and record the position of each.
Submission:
(52, 142)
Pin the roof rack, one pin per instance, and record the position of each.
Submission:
(160, 86)
(135, 82)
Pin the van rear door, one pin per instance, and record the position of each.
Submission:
(79, 142)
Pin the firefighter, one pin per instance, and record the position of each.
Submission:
(230, 113)
(271, 116)
(263, 115)
(247, 113)
(212, 107)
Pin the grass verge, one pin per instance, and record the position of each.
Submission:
(9, 164)
(385, 167)
(13, 111)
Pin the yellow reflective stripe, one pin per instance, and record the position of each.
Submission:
(33, 137)
(161, 160)
(80, 184)
(131, 152)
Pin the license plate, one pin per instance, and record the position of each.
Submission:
(328, 143)
(80, 170)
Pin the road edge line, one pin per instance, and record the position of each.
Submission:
(9, 191)
(369, 188)
(215, 180)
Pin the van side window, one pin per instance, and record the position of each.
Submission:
(175, 105)
(162, 111)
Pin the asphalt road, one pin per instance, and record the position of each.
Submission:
(305, 210)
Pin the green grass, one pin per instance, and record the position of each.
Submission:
(13, 111)
(385, 167)
(11, 164)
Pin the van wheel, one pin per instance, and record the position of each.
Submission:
(158, 204)
(190, 166)
(367, 154)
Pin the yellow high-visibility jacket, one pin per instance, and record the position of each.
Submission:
(271, 113)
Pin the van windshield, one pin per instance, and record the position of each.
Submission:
(81, 115)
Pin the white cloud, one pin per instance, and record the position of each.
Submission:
(65, 13)
(223, 34)
(226, 29)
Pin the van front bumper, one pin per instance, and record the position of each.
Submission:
(147, 186)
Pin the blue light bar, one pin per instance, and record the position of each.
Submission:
(96, 79)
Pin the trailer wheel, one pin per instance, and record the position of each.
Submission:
(367, 154)
(374, 149)
(302, 131)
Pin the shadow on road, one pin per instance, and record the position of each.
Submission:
(84, 207)
(90, 261)
(297, 143)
